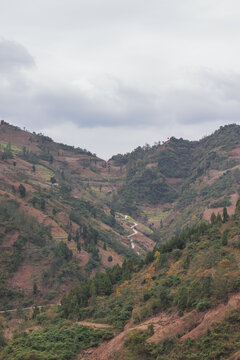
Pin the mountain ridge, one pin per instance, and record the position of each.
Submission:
(66, 236)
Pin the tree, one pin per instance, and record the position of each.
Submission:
(181, 298)
(34, 168)
(78, 246)
(22, 190)
(36, 312)
(213, 218)
(112, 212)
(110, 258)
(224, 238)
(53, 180)
(225, 215)
(219, 219)
(35, 289)
(63, 251)
(42, 204)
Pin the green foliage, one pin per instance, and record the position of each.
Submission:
(225, 237)
(7, 152)
(100, 285)
(225, 215)
(223, 185)
(63, 251)
(176, 160)
(149, 186)
(29, 231)
(22, 190)
(54, 342)
(38, 202)
(220, 203)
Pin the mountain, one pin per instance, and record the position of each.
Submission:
(139, 253)
(56, 223)
(181, 182)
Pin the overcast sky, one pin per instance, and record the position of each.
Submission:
(109, 75)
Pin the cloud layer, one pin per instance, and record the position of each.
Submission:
(134, 71)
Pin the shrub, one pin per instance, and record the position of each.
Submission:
(203, 304)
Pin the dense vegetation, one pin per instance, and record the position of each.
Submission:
(56, 342)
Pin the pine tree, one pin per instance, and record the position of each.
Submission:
(213, 219)
(22, 190)
(35, 289)
(224, 238)
(225, 214)
(219, 219)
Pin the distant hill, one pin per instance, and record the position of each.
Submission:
(140, 253)
(180, 182)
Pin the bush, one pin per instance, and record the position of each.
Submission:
(203, 304)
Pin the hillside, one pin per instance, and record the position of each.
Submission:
(138, 255)
(181, 182)
(181, 302)
(56, 224)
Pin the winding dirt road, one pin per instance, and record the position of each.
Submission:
(135, 232)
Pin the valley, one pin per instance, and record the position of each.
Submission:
(145, 244)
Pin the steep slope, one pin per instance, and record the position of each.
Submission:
(185, 287)
(60, 192)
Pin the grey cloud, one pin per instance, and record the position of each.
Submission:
(213, 98)
(38, 106)
(14, 56)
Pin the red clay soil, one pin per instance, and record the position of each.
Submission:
(235, 356)
(152, 165)
(19, 138)
(211, 176)
(173, 180)
(104, 254)
(43, 219)
(9, 238)
(83, 257)
(236, 152)
(231, 209)
(214, 315)
(165, 325)
(107, 351)
(173, 325)
(23, 278)
(94, 325)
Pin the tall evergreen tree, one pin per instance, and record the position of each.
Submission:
(225, 214)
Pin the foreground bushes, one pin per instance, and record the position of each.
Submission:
(53, 343)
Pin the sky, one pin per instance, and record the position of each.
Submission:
(110, 75)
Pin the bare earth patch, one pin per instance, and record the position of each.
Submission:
(231, 209)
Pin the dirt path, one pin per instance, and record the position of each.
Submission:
(94, 325)
(27, 308)
(135, 232)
